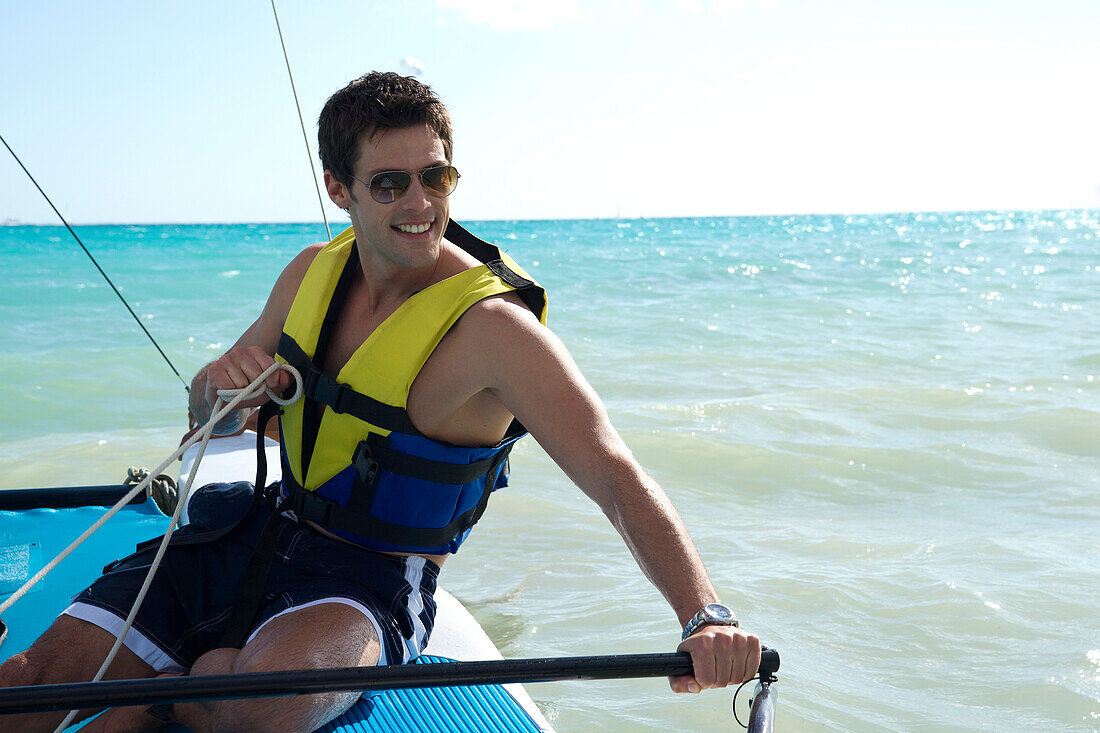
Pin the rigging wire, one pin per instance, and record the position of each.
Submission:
(301, 121)
(313, 169)
(101, 272)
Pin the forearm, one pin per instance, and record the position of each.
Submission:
(196, 400)
(653, 530)
(202, 407)
(720, 654)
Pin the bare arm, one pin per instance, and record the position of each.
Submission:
(533, 375)
(254, 351)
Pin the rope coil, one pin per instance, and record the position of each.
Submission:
(163, 489)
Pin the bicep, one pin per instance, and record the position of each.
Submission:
(538, 381)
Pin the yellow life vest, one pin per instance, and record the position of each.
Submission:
(352, 460)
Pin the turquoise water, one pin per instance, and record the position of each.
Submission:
(883, 432)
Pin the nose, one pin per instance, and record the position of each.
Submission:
(416, 198)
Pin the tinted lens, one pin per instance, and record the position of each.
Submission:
(441, 180)
(388, 186)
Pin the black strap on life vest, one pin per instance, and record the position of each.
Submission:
(250, 587)
(267, 410)
(531, 294)
(340, 398)
(311, 410)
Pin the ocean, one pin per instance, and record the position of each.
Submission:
(883, 432)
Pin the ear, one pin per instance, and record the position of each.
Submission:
(337, 191)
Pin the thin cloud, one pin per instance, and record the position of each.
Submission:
(505, 15)
(724, 7)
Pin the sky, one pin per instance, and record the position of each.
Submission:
(141, 112)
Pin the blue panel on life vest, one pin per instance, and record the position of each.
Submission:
(412, 502)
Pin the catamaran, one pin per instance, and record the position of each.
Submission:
(460, 683)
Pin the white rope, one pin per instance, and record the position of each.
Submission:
(234, 397)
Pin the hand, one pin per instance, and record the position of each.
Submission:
(133, 718)
(721, 655)
(237, 368)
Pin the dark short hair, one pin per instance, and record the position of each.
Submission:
(372, 104)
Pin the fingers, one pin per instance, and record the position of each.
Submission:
(686, 684)
(238, 368)
(279, 381)
(752, 664)
(720, 656)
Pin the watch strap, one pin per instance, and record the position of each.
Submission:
(706, 618)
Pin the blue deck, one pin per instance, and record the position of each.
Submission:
(31, 538)
(486, 708)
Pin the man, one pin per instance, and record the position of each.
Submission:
(425, 356)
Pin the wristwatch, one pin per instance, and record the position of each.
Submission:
(712, 614)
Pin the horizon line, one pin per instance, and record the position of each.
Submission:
(15, 222)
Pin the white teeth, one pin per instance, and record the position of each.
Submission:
(414, 228)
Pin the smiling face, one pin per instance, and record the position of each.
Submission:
(408, 233)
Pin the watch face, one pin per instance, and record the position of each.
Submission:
(718, 612)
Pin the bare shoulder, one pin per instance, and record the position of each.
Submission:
(509, 346)
(502, 311)
(503, 320)
(268, 327)
(296, 269)
(291, 278)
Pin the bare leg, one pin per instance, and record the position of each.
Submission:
(126, 720)
(71, 650)
(318, 637)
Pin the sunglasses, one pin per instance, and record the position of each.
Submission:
(388, 186)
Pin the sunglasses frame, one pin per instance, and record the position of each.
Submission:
(419, 174)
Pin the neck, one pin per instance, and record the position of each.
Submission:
(390, 282)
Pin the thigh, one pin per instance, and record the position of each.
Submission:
(72, 650)
(178, 619)
(316, 637)
(394, 592)
(322, 636)
(189, 600)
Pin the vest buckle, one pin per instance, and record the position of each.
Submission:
(322, 388)
(309, 381)
(366, 464)
(308, 506)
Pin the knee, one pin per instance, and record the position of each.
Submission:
(216, 661)
(292, 714)
(19, 671)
